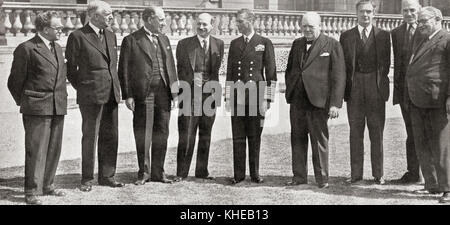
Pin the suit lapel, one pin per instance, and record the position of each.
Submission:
(316, 47)
(214, 51)
(192, 51)
(144, 43)
(110, 42)
(353, 41)
(426, 46)
(45, 52)
(163, 47)
(402, 36)
(92, 38)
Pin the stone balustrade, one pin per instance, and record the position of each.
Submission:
(18, 20)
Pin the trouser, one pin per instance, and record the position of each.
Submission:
(366, 105)
(411, 157)
(43, 140)
(314, 123)
(431, 130)
(99, 122)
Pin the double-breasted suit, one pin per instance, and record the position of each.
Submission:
(147, 72)
(92, 71)
(197, 67)
(427, 80)
(251, 64)
(402, 44)
(315, 81)
(367, 89)
(38, 85)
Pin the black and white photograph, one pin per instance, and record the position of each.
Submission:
(224, 103)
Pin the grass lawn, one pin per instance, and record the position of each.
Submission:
(275, 168)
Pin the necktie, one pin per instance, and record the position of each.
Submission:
(308, 45)
(101, 35)
(410, 35)
(364, 35)
(205, 49)
(246, 40)
(155, 40)
(53, 50)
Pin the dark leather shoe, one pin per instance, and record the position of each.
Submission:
(32, 200)
(379, 181)
(207, 178)
(234, 181)
(295, 183)
(408, 178)
(324, 185)
(353, 180)
(141, 182)
(86, 187)
(111, 183)
(445, 198)
(57, 193)
(179, 179)
(163, 180)
(427, 192)
(257, 180)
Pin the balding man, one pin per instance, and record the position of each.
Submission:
(315, 84)
(147, 72)
(427, 80)
(91, 55)
(198, 61)
(402, 39)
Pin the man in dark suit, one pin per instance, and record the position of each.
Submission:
(427, 80)
(315, 85)
(367, 59)
(147, 72)
(38, 85)
(91, 69)
(198, 62)
(251, 79)
(402, 38)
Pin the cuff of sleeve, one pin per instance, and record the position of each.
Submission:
(227, 93)
(269, 93)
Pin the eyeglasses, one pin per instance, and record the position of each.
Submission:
(57, 29)
(422, 21)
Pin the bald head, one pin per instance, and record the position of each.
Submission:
(311, 25)
(154, 19)
(410, 10)
(100, 14)
(204, 24)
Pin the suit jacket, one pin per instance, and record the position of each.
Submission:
(135, 65)
(89, 69)
(323, 73)
(38, 81)
(252, 63)
(186, 51)
(428, 73)
(349, 40)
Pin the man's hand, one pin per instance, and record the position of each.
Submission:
(334, 112)
(130, 103)
(448, 105)
(265, 106)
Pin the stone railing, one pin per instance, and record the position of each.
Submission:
(18, 20)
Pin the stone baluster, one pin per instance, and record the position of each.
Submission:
(286, 25)
(28, 25)
(123, 24)
(275, 25)
(291, 26)
(132, 26)
(256, 24)
(17, 25)
(7, 22)
(189, 22)
(297, 25)
(262, 25)
(68, 26)
(140, 20)
(78, 23)
(115, 25)
(335, 27)
(173, 24)
(181, 24)
(268, 25)
(232, 25)
(280, 25)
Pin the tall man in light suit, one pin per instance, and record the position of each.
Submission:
(91, 55)
(402, 39)
(198, 62)
(367, 59)
(315, 85)
(38, 85)
(251, 64)
(147, 72)
(427, 80)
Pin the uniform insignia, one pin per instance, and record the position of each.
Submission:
(259, 48)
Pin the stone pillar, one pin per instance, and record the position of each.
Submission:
(2, 26)
(238, 4)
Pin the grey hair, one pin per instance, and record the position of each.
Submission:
(312, 15)
(95, 7)
(415, 2)
(249, 14)
(436, 13)
(362, 2)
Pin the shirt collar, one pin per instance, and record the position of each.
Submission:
(434, 34)
(96, 29)
(45, 40)
(149, 33)
(249, 36)
(414, 25)
(361, 28)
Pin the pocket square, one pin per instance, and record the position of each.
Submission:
(325, 54)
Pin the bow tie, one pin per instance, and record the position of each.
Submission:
(309, 42)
